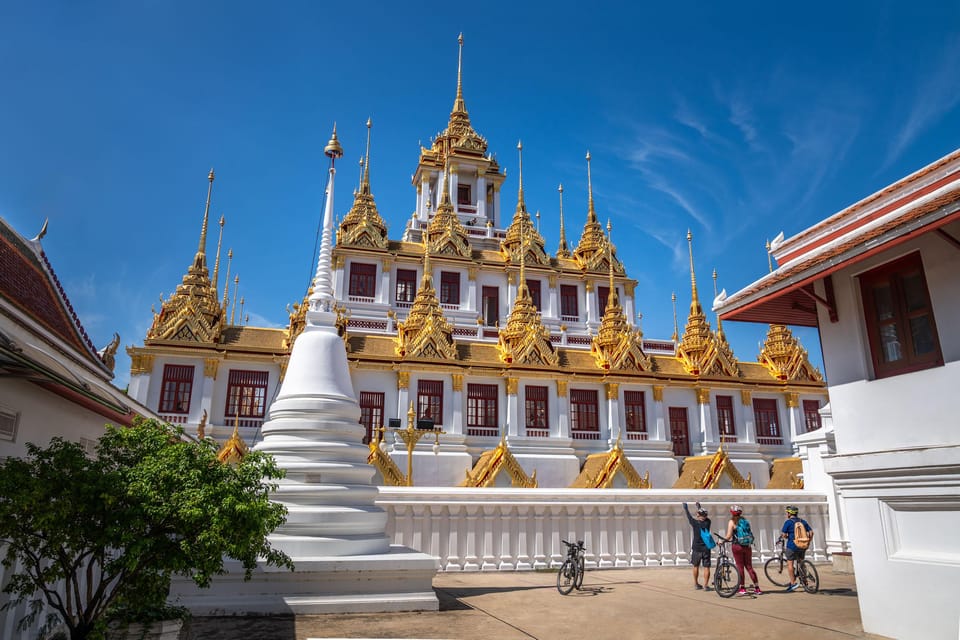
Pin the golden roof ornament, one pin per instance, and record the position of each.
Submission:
(726, 351)
(601, 471)
(298, 319)
(191, 313)
(699, 350)
(522, 227)
(446, 235)
(459, 134)
(363, 226)
(617, 346)
(491, 463)
(426, 333)
(235, 449)
(591, 253)
(784, 358)
(563, 251)
(524, 340)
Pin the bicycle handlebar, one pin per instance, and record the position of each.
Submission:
(720, 537)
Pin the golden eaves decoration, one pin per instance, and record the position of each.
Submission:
(234, 449)
(786, 473)
(604, 470)
(491, 463)
(618, 347)
(426, 332)
(298, 319)
(363, 226)
(783, 356)
(707, 472)
(445, 235)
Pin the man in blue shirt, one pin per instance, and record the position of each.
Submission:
(791, 551)
(699, 554)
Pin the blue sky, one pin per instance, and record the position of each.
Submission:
(736, 120)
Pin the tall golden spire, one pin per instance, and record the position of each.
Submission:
(236, 287)
(446, 233)
(591, 252)
(226, 282)
(363, 226)
(458, 104)
(694, 298)
(459, 133)
(202, 249)
(563, 251)
(521, 235)
(216, 264)
(426, 332)
(676, 327)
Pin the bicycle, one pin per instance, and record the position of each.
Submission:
(570, 576)
(726, 576)
(778, 573)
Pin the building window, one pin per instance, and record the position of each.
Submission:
(533, 286)
(363, 280)
(635, 415)
(535, 410)
(900, 325)
(811, 414)
(491, 305)
(482, 410)
(584, 422)
(246, 394)
(679, 430)
(430, 401)
(9, 420)
(406, 285)
(450, 288)
(176, 389)
(725, 423)
(463, 194)
(767, 421)
(371, 413)
(568, 302)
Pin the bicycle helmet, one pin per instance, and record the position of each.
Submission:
(701, 511)
(791, 510)
(736, 509)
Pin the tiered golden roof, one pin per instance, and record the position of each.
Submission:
(491, 463)
(426, 333)
(363, 226)
(699, 350)
(783, 356)
(617, 346)
(234, 449)
(600, 471)
(446, 236)
(192, 313)
(459, 134)
(522, 235)
(591, 253)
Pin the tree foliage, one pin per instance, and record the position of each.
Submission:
(96, 538)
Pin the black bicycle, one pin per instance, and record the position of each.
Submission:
(570, 576)
(779, 574)
(726, 577)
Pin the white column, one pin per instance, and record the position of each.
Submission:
(749, 419)
(384, 294)
(613, 411)
(659, 418)
(472, 302)
(454, 181)
(707, 437)
(591, 302)
(456, 425)
(495, 214)
(563, 411)
(628, 309)
(553, 299)
(481, 198)
(513, 408)
(403, 397)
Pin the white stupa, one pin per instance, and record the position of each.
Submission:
(334, 532)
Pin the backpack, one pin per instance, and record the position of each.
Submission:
(743, 534)
(708, 540)
(801, 537)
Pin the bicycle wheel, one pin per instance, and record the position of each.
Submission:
(581, 569)
(776, 571)
(726, 580)
(566, 577)
(809, 578)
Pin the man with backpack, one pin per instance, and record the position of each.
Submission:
(700, 553)
(799, 535)
(738, 530)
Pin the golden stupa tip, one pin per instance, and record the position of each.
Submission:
(210, 175)
(333, 149)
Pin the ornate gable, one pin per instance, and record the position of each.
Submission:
(491, 463)
(445, 235)
(785, 359)
(426, 333)
(600, 471)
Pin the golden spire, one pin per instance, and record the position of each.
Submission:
(591, 214)
(458, 104)
(236, 287)
(694, 298)
(226, 282)
(459, 133)
(426, 333)
(719, 322)
(235, 449)
(723, 345)
(216, 264)
(676, 328)
(192, 314)
(591, 252)
(446, 234)
(521, 235)
(363, 226)
(785, 358)
(563, 251)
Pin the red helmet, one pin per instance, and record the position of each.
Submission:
(736, 509)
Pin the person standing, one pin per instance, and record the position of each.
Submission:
(798, 539)
(738, 530)
(699, 553)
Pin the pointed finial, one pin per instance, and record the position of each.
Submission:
(693, 275)
(769, 258)
(43, 231)
(216, 264)
(520, 155)
(233, 310)
(210, 175)
(676, 327)
(410, 416)
(365, 186)
(563, 251)
(591, 214)
(613, 292)
(360, 177)
(333, 150)
(226, 284)
(719, 322)
(538, 220)
(458, 104)
(206, 214)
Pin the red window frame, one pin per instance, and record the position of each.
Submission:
(430, 400)
(893, 318)
(482, 407)
(371, 412)
(406, 289)
(363, 280)
(679, 431)
(536, 411)
(463, 194)
(634, 414)
(533, 286)
(569, 305)
(246, 393)
(584, 414)
(726, 424)
(811, 415)
(450, 287)
(176, 389)
(490, 298)
(766, 417)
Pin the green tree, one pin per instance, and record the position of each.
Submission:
(99, 538)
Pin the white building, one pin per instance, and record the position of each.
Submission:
(881, 280)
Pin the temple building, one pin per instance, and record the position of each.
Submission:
(525, 359)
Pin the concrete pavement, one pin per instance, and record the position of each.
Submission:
(613, 604)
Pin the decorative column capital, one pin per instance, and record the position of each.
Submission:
(458, 382)
(613, 390)
(793, 399)
(141, 363)
(403, 379)
(703, 395)
(746, 397)
(552, 280)
(588, 286)
(562, 388)
(210, 367)
(512, 384)
(629, 286)
(338, 261)
(387, 262)
(657, 393)
(471, 273)
(511, 277)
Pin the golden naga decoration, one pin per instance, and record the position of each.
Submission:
(392, 476)
(591, 253)
(699, 350)
(524, 340)
(446, 235)
(616, 346)
(784, 358)
(363, 226)
(522, 228)
(786, 473)
(234, 449)
(192, 313)
(491, 463)
(426, 333)
(601, 471)
(108, 355)
(298, 319)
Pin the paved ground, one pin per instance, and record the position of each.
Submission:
(614, 604)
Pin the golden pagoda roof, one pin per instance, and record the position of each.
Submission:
(426, 332)
(592, 252)
(192, 313)
(491, 463)
(786, 473)
(234, 449)
(705, 472)
(445, 235)
(600, 470)
(363, 226)
(522, 235)
(459, 136)
(784, 358)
